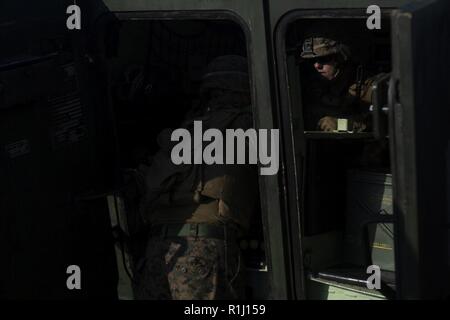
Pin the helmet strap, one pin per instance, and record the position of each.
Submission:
(337, 72)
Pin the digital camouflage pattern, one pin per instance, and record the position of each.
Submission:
(319, 47)
(189, 268)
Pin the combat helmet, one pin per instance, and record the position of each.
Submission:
(229, 72)
(315, 47)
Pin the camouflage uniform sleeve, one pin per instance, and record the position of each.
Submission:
(366, 90)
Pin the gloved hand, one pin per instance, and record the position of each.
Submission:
(328, 124)
(359, 126)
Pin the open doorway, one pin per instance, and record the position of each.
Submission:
(345, 174)
(155, 74)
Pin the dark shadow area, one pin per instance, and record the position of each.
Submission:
(79, 111)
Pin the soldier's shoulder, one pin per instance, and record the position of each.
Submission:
(366, 87)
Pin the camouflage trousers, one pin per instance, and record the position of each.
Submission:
(189, 268)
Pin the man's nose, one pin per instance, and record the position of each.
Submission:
(317, 65)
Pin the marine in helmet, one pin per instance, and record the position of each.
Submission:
(197, 212)
(335, 85)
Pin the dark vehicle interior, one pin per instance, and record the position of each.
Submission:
(346, 189)
(96, 103)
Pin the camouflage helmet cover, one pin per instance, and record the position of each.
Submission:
(314, 47)
(227, 72)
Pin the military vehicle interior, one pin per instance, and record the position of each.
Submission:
(346, 188)
(72, 141)
(154, 80)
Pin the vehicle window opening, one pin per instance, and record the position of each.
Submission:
(346, 206)
(158, 66)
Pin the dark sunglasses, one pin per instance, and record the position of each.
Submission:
(323, 60)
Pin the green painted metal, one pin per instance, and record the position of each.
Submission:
(419, 147)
